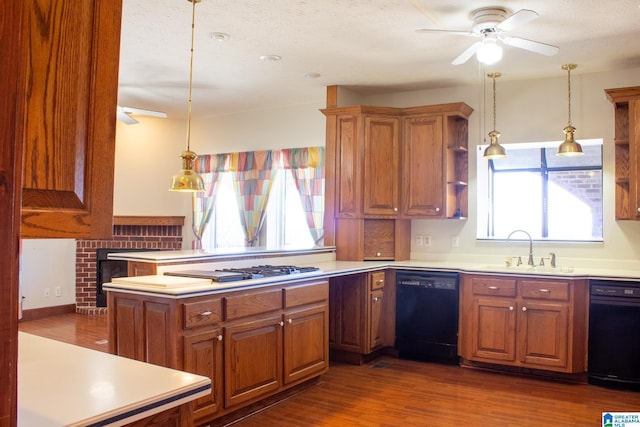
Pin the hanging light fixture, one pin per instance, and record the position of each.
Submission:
(188, 180)
(494, 150)
(569, 147)
(489, 51)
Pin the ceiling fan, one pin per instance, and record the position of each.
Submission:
(124, 114)
(491, 24)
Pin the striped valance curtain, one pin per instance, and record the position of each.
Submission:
(252, 174)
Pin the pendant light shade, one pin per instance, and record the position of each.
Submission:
(188, 180)
(494, 150)
(569, 147)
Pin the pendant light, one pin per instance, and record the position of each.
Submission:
(569, 147)
(494, 150)
(188, 180)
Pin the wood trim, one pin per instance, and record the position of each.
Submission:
(332, 96)
(12, 86)
(148, 220)
(40, 313)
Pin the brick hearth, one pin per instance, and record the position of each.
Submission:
(129, 232)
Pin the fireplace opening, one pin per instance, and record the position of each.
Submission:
(107, 269)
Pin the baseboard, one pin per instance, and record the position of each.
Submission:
(39, 313)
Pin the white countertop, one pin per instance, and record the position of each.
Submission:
(166, 285)
(161, 257)
(61, 384)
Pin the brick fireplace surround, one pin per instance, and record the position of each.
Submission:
(129, 232)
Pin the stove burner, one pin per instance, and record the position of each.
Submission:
(261, 271)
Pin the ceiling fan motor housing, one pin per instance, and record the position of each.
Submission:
(485, 19)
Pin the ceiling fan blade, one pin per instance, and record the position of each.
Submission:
(533, 46)
(458, 33)
(124, 117)
(142, 112)
(464, 56)
(519, 18)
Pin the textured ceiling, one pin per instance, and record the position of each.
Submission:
(368, 45)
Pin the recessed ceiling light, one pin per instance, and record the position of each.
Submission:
(311, 75)
(219, 37)
(270, 58)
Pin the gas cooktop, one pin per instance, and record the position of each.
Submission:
(233, 274)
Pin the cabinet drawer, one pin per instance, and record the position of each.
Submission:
(306, 294)
(494, 286)
(376, 280)
(201, 313)
(545, 289)
(251, 303)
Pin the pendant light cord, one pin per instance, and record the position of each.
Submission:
(193, 26)
(493, 76)
(569, 91)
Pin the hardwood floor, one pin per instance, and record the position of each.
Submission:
(394, 392)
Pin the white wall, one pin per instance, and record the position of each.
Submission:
(48, 264)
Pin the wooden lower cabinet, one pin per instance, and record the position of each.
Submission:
(535, 323)
(357, 315)
(251, 343)
(203, 356)
(253, 355)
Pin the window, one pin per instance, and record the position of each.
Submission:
(551, 197)
(285, 222)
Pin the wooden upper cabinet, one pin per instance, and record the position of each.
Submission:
(350, 157)
(423, 166)
(435, 161)
(71, 82)
(626, 102)
(382, 149)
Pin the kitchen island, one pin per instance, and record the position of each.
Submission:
(61, 384)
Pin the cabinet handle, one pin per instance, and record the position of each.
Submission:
(493, 288)
(510, 308)
(437, 209)
(378, 254)
(638, 210)
(524, 308)
(220, 337)
(544, 291)
(290, 321)
(281, 323)
(206, 313)
(375, 299)
(396, 209)
(380, 281)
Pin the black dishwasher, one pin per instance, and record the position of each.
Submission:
(614, 334)
(427, 316)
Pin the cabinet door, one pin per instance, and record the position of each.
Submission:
(70, 117)
(203, 356)
(543, 334)
(253, 359)
(375, 319)
(423, 157)
(348, 313)
(494, 329)
(350, 158)
(306, 350)
(381, 145)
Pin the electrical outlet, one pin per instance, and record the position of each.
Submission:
(419, 240)
(47, 292)
(455, 242)
(427, 240)
(58, 291)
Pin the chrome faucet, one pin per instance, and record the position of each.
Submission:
(530, 260)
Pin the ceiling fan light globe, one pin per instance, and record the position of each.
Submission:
(489, 53)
